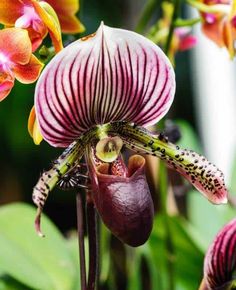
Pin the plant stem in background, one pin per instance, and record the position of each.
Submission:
(93, 244)
(172, 26)
(80, 227)
(146, 15)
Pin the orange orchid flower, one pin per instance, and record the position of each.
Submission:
(182, 39)
(66, 11)
(16, 60)
(219, 22)
(40, 17)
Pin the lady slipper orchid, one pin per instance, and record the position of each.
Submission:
(98, 94)
(16, 60)
(38, 17)
(122, 198)
(220, 260)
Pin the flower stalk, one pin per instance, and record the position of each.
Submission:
(80, 229)
(172, 26)
(93, 243)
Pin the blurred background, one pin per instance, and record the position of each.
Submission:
(204, 111)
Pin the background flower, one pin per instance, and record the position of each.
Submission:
(220, 260)
(16, 60)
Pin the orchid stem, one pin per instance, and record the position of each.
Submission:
(172, 26)
(93, 245)
(146, 15)
(80, 226)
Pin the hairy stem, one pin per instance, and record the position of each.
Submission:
(80, 226)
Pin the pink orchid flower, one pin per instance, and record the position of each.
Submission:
(41, 17)
(99, 94)
(16, 60)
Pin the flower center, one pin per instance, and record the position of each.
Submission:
(29, 18)
(109, 148)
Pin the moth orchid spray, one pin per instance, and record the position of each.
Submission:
(98, 95)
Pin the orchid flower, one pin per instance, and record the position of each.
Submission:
(38, 17)
(99, 94)
(16, 60)
(220, 260)
(218, 22)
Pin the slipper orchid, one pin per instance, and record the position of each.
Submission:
(220, 260)
(38, 17)
(16, 60)
(98, 94)
(122, 198)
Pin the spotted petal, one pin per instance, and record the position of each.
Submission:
(204, 175)
(111, 75)
(220, 260)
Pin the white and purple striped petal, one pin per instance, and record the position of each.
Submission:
(220, 260)
(112, 75)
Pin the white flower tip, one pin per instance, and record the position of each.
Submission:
(224, 200)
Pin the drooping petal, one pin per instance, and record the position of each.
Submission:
(6, 85)
(220, 260)
(70, 24)
(29, 72)
(204, 175)
(112, 75)
(15, 45)
(33, 128)
(66, 161)
(10, 10)
(214, 31)
(37, 37)
(66, 11)
(228, 38)
(49, 18)
(124, 203)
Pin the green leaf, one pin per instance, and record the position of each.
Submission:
(72, 244)
(233, 176)
(134, 269)
(189, 138)
(39, 263)
(186, 22)
(8, 283)
(105, 254)
(206, 217)
(187, 256)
